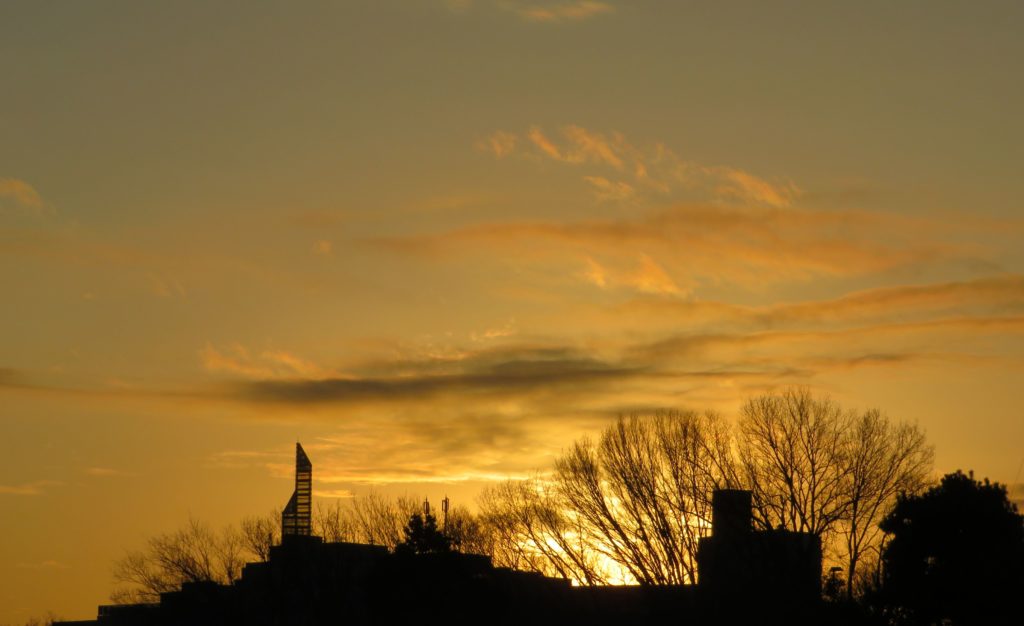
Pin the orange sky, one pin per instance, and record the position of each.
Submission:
(437, 241)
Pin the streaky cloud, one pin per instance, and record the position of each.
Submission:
(654, 169)
(559, 10)
(748, 245)
(502, 377)
(20, 194)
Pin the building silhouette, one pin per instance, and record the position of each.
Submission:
(745, 576)
(777, 571)
(297, 517)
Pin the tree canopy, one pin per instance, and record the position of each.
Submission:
(423, 537)
(956, 555)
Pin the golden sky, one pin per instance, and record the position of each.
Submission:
(437, 241)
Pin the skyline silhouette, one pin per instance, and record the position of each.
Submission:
(769, 575)
(954, 555)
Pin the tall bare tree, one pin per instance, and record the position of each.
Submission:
(794, 453)
(194, 553)
(526, 527)
(642, 493)
(467, 532)
(814, 467)
(378, 520)
(335, 522)
(885, 460)
(260, 533)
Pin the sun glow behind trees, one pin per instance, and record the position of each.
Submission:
(640, 496)
(629, 507)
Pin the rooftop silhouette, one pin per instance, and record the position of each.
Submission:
(767, 576)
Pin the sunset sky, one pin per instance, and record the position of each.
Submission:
(437, 241)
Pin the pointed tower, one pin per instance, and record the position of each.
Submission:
(297, 516)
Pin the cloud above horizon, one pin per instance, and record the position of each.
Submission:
(705, 244)
(19, 194)
(557, 11)
(540, 11)
(627, 169)
(32, 488)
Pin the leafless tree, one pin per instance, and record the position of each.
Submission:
(816, 468)
(230, 553)
(194, 553)
(378, 520)
(885, 459)
(260, 533)
(466, 532)
(642, 493)
(46, 620)
(334, 522)
(526, 527)
(794, 453)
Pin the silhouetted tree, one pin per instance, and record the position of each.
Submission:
(378, 520)
(46, 620)
(955, 555)
(466, 532)
(793, 451)
(814, 467)
(371, 518)
(194, 553)
(527, 526)
(884, 459)
(423, 537)
(641, 495)
(260, 533)
(334, 522)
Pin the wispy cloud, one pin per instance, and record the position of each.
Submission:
(236, 359)
(605, 189)
(499, 403)
(506, 407)
(989, 296)
(558, 10)
(499, 143)
(166, 286)
(746, 187)
(519, 376)
(655, 168)
(506, 330)
(751, 246)
(33, 488)
(19, 194)
(547, 147)
(644, 276)
(542, 11)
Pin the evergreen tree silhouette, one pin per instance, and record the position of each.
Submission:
(956, 555)
(423, 537)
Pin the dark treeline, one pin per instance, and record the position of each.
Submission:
(631, 505)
